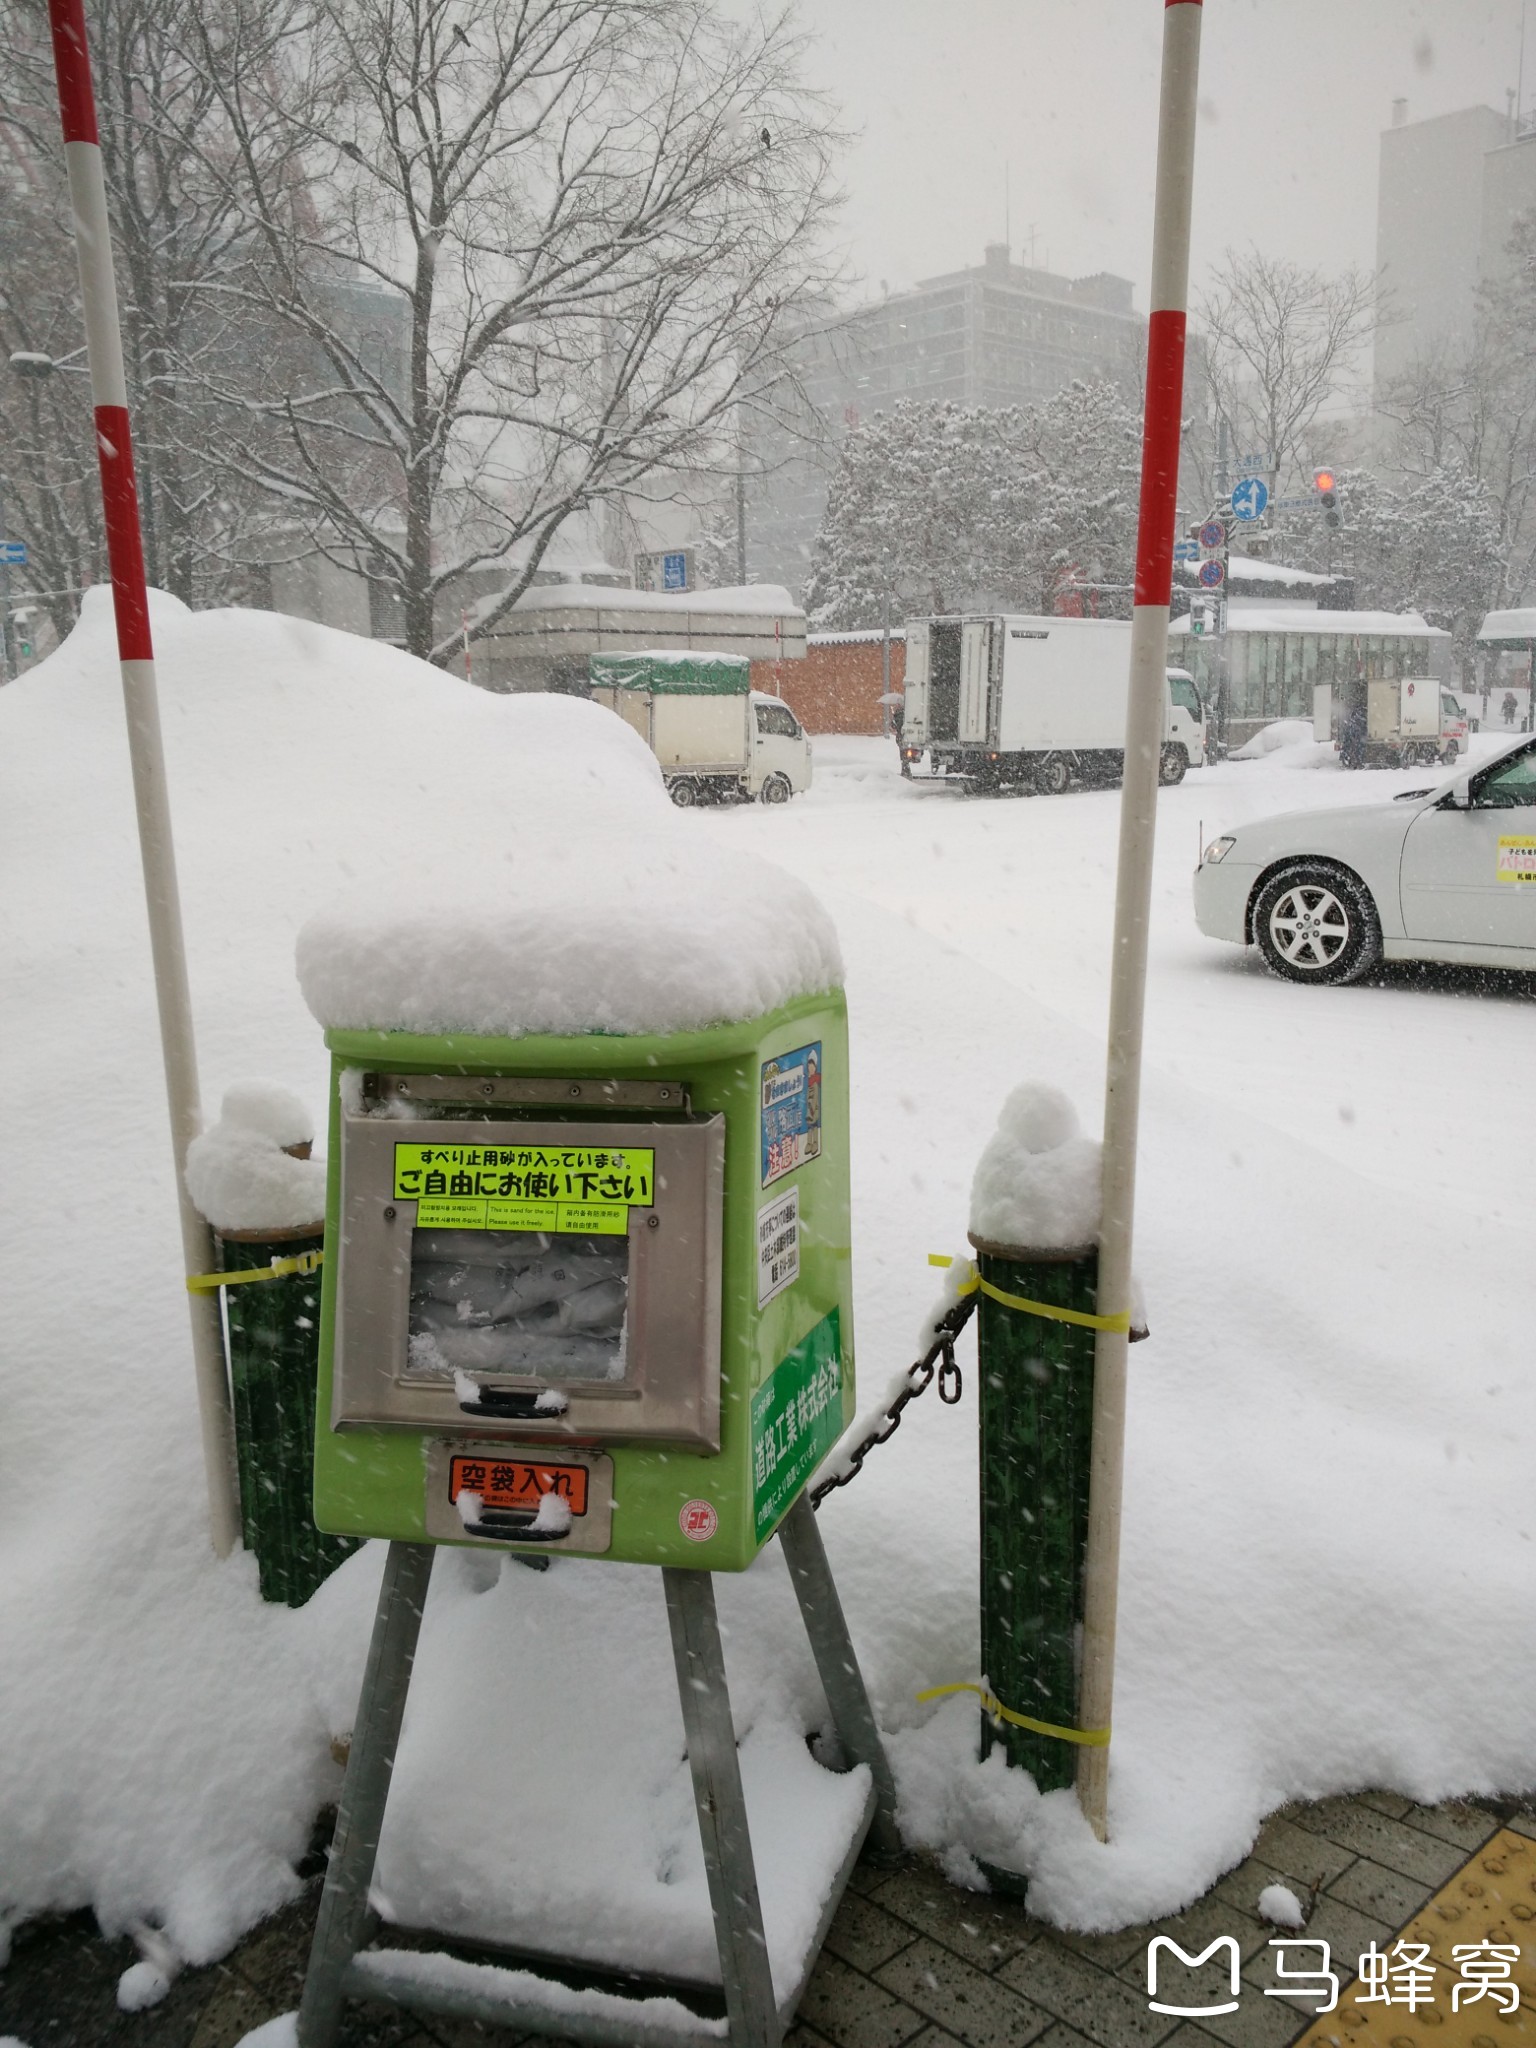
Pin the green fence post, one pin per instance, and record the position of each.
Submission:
(274, 1362)
(1036, 1432)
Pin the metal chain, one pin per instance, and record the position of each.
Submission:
(918, 1380)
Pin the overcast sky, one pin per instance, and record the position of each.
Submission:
(945, 93)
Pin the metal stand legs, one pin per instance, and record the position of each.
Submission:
(722, 1810)
(755, 2019)
(837, 1666)
(343, 1925)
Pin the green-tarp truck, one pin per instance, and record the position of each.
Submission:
(718, 740)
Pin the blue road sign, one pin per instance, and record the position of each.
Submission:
(1210, 575)
(1250, 498)
(1185, 550)
(674, 571)
(13, 551)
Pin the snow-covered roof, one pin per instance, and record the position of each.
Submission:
(1250, 569)
(1309, 619)
(1516, 625)
(768, 599)
(862, 638)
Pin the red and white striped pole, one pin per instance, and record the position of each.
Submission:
(1133, 888)
(130, 601)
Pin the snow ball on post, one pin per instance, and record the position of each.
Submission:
(1034, 1224)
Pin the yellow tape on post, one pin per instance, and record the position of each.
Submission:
(1025, 1306)
(1089, 1738)
(301, 1262)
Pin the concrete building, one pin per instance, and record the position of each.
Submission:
(1451, 189)
(1000, 333)
(545, 640)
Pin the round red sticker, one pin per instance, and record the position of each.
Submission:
(697, 1520)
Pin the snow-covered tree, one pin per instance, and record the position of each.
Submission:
(589, 224)
(934, 507)
(1432, 546)
(1471, 413)
(1280, 341)
(178, 231)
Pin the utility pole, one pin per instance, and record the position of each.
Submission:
(7, 638)
(741, 514)
(1172, 198)
(136, 656)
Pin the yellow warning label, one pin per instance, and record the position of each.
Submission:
(581, 1188)
(1517, 858)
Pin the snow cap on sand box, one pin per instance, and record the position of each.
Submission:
(1037, 1182)
(591, 927)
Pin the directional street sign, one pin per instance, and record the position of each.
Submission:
(1213, 535)
(14, 551)
(1250, 498)
(1263, 459)
(1306, 504)
(1211, 574)
(1185, 550)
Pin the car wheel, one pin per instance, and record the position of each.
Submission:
(1054, 775)
(684, 793)
(775, 790)
(1316, 923)
(1449, 755)
(1172, 765)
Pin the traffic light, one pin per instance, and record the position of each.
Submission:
(1328, 498)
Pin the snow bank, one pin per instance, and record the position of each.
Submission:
(242, 1175)
(1037, 1182)
(1285, 732)
(167, 1736)
(1290, 740)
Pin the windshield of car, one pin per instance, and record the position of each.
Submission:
(1511, 784)
(1449, 705)
(1183, 692)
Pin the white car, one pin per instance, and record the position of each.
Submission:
(1438, 874)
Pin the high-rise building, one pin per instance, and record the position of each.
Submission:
(1451, 189)
(1001, 333)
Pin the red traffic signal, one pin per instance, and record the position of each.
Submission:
(1323, 478)
(1327, 496)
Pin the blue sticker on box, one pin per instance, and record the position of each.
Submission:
(791, 1097)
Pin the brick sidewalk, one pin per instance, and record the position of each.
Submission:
(911, 1962)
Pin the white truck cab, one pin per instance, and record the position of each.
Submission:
(780, 764)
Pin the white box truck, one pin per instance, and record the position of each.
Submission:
(1033, 703)
(718, 740)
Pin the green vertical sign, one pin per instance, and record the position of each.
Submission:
(797, 1416)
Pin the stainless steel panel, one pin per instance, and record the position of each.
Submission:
(540, 1091)
(665, 1386)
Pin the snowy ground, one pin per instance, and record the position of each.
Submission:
(1328, 1572)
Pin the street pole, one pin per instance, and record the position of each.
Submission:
(130, 601)
(7, 643)
(885, 661)
(1133, 887)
